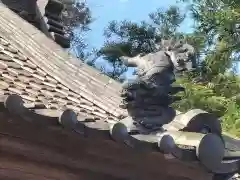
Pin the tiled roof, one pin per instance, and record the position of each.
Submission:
(20, 75)
(40, 83)
(44, 74)
(38, 80)
(33, 148)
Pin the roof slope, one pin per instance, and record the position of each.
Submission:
(35, 67)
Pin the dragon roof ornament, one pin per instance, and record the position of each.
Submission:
(149, 95)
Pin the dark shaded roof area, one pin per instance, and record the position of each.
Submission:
(37, 147)
(25, 9)
(51, 17)
(28, 6)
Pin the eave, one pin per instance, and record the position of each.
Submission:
(31, 149)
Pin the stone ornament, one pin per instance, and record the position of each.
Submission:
(149, 95)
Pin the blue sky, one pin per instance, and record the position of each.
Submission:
(135, 10)
(104, 11)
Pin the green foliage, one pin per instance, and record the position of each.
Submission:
(126, 38)
(214, 98)
(76, 18)
(214, 87)
(218, 22)
(231, 119)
